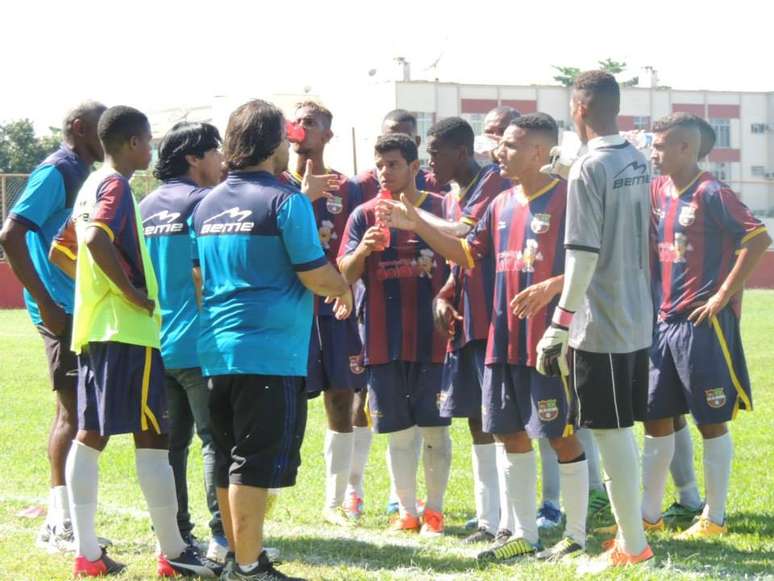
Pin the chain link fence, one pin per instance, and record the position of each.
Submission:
(11, 187)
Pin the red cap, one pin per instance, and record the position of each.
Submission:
(295, 132)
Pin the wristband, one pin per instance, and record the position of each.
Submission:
(562, 318)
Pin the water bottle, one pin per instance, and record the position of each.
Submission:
(384, 195)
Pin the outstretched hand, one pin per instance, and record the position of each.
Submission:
(318, 186)
(402, 215)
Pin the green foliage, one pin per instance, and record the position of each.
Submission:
(20, 149)
(566, 75)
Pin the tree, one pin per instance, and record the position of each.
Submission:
(567, 75)
(20, 149)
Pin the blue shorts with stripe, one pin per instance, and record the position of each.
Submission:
(121, 389)
(463, 375)
(701, 369)
(335, 356)
(402, 394)
(517, 398)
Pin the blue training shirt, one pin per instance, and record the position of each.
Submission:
(166, 219)
(253, 235)
(44, 206)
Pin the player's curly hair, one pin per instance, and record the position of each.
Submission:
(254, 131)
(454, 131)
(539, 122)
(690, 121)
(117, 125)
(185, 138)
(319, 110)
(600, 92)
(398, 142)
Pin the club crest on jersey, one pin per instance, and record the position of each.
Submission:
(326, 233)
(548, 411)
(356, 364)
(687, 216)
(540, 223)
(334, 204)
(716, 397)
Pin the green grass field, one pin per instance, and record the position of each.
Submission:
(319, 552)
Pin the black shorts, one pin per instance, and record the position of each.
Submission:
(62, 362)
(612, 388)
(257, 424)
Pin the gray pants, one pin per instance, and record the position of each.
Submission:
(188, 402)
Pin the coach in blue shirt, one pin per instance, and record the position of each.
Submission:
(189, 164)
(261, 260)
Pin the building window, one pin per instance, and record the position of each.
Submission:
(476, 121)
(758, 170)
(641, 123)
(722, 129)
(758, 128)
(721, 170)
(424, 123)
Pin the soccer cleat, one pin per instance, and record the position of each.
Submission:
(217, 550)
(549, 516)
(265, 571)
(433, 523)
(566, 548)
(480, 536)
(56, 539)
(599, 503)
(102, 566)
(195, 543)
(616, 557)
(702, 528)
(513, 549)
(502, 537)
(187, 564)
(354, 507)
(406, 523)
(650, 527)
(678, 514)
(337, 517)
(471, 524)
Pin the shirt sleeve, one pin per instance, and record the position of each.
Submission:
(298, 229)
(353, 232)
(114, 208)
(66, 241)
(585, 203)
(731, 215)
(42, 197)
(478, 243)
(474, 210)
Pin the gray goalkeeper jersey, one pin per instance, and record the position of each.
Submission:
(608, 212)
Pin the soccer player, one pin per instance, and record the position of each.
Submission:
(403, 352)
(335, 358)
(189, 164)
(605, 311)
(260, 256)
(32, 223)
(707, 244)
(116, 328)
(463, 307)
(496, 122)
(521, 237)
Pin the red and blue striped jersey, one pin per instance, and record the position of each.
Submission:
(473, 287)
(524, 239)
(698, 231)
(331, 215)
(399, 286)
(368, 182)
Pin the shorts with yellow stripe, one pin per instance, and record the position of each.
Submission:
(121, 389)
(698, 369)
(516, 398)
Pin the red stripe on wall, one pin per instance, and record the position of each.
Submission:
(723, 111)
(10, 289)
(724, 155)
(478, 105)
(688, 108)
(521, 105)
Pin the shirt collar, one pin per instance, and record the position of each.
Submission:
(606, 141)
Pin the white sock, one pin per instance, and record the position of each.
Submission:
(158, 486)
(82, 475)
(437, 461)
(620, 458)
(550, 470)
(574, 482)
(521, 479)
(403, 469)
(586, 437)
(361, 447)
(507, 520)
(718, 453)
(657, 454)
(486, 486)
(338, 461)
(683, 472)
(58, 506)
(418, 451)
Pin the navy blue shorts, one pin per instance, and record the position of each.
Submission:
(463, 376)
(403, 394)
(121, 389)
(335, 356)
(698, 369)
(516, 398)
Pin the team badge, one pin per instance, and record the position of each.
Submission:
(681, 246)
(687, 215)
(356, 364)
(326, 234)
(526, 258)
(334, 204)
(540, 223)
(548, 411)
(716, 397)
